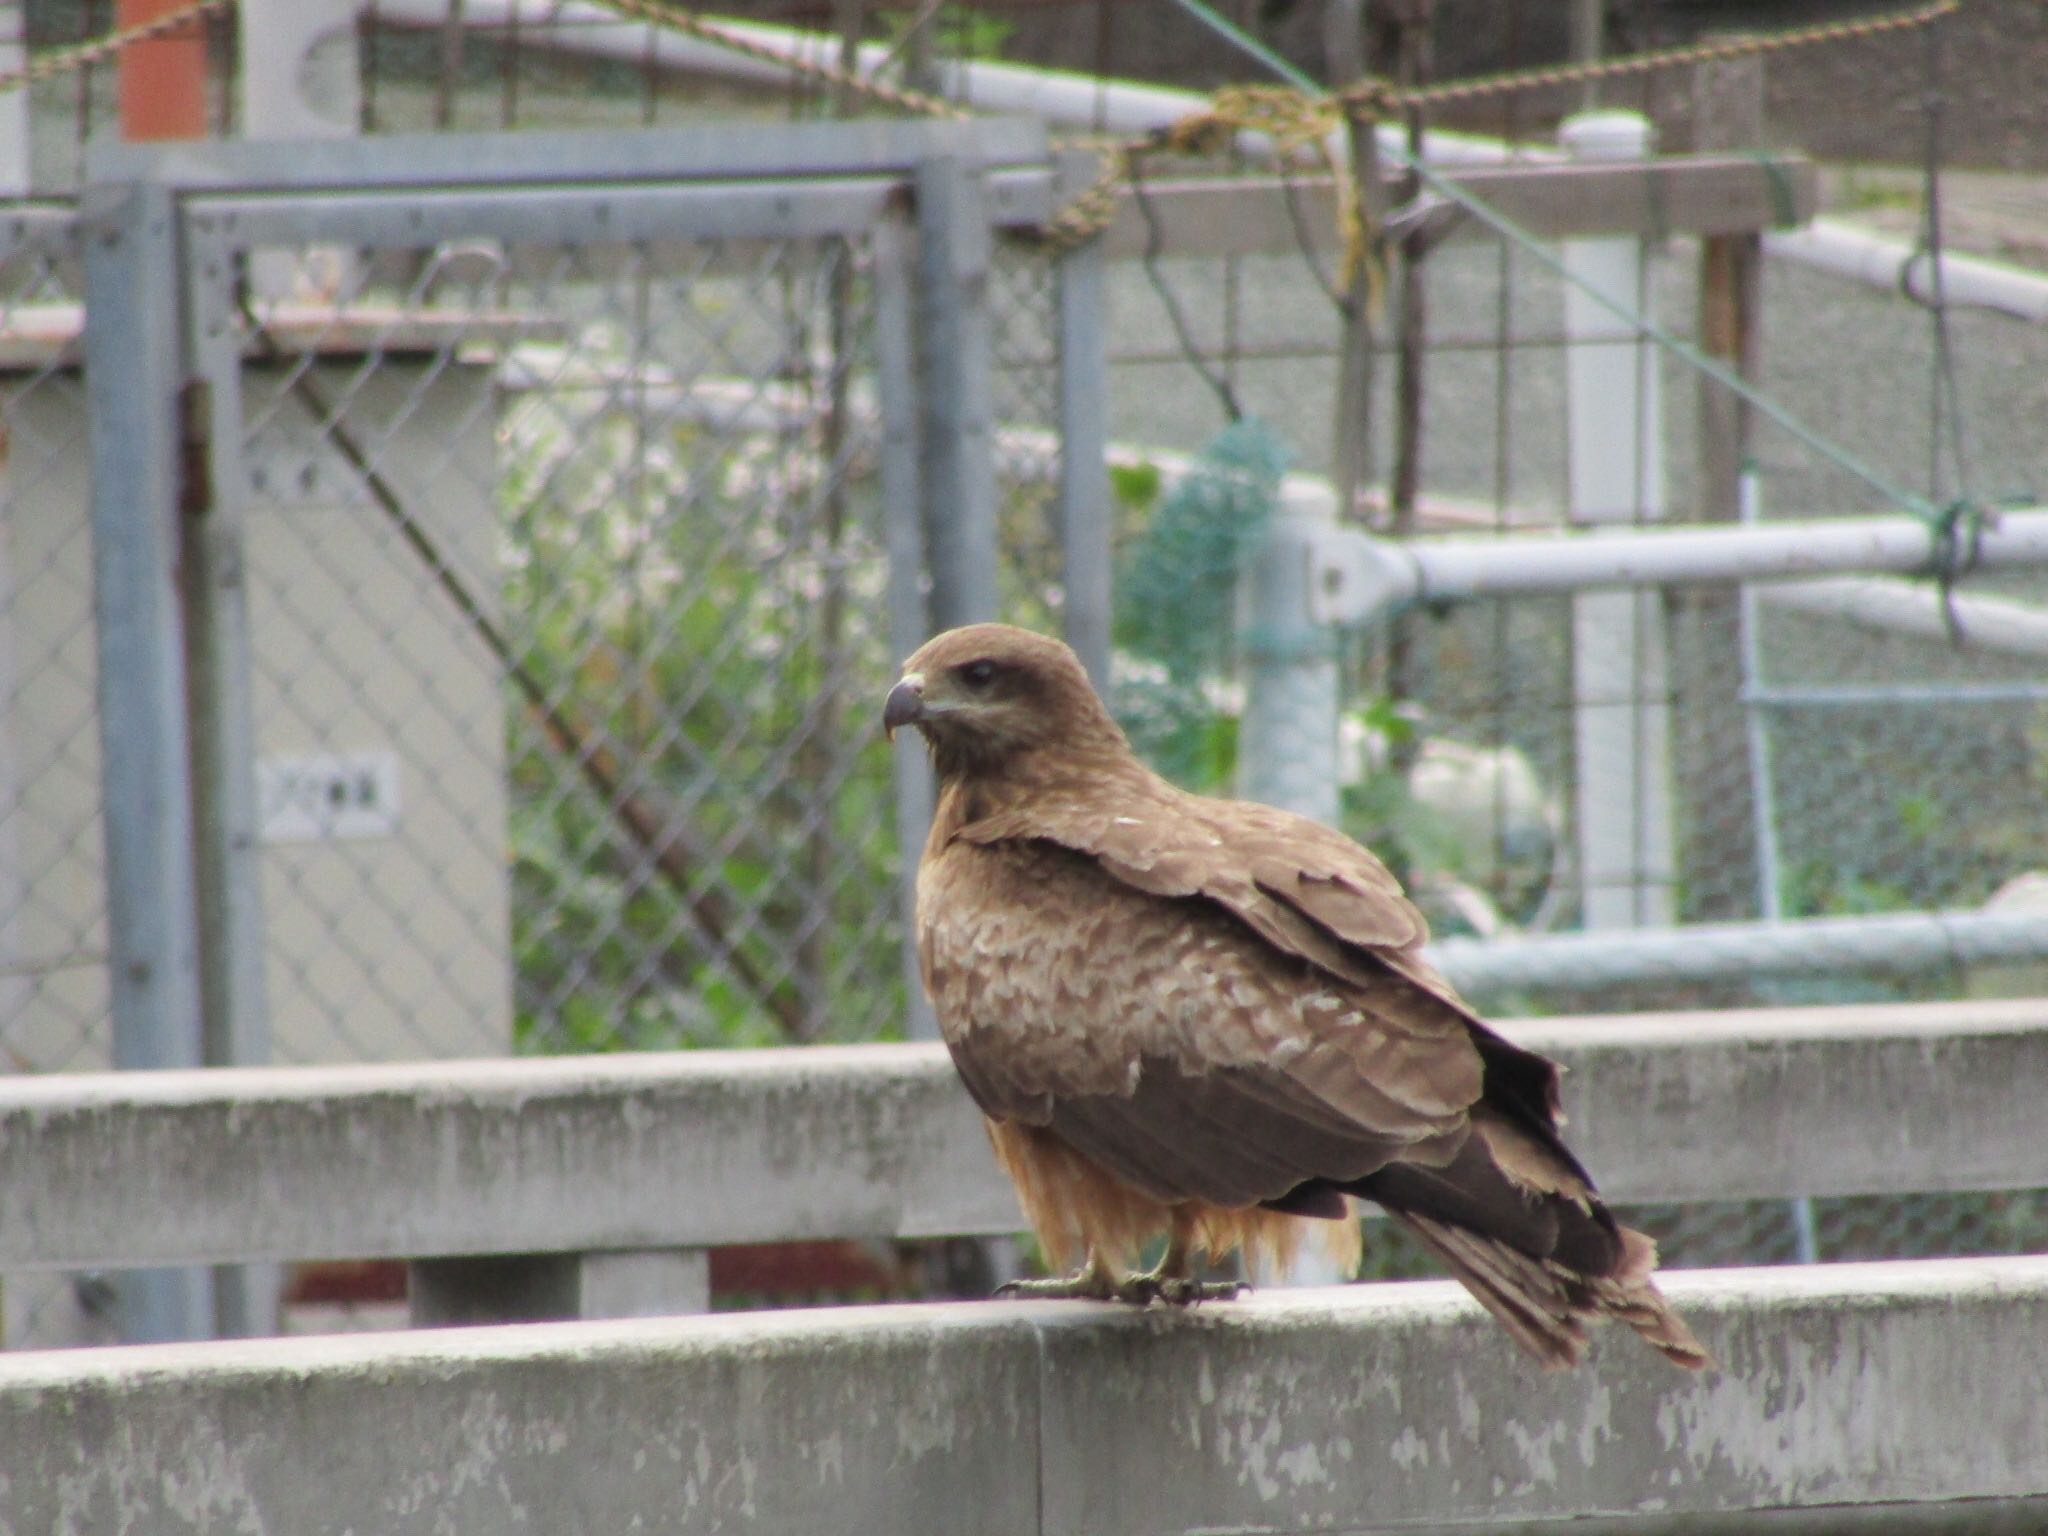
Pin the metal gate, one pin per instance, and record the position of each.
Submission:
(506, 540)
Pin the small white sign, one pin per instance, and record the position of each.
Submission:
(328, 797)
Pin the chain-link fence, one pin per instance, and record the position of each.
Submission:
(568, 603)
(1798, 751)
(585, 564)
(52, 925)
(543, 555)
(569, 596)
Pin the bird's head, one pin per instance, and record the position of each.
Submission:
(987, 695)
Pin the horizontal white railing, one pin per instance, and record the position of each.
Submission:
(1887, 1398)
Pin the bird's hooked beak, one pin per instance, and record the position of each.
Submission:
(905, 705)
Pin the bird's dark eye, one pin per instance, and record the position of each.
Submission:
(977, 674)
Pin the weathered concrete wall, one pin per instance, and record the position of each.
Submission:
(702, 1148)
(1851, 1398)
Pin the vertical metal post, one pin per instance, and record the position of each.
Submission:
(235, 1031)
(1621, 708)
(236, 1020)
(895, 255)
(1764, 801)
(954, 353)
(1085, 513)
(134, 374)
(1287, 739)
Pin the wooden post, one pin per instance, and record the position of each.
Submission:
(1718, 839)
(1728, 109)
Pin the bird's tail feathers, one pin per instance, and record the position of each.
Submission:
(1545, 1305)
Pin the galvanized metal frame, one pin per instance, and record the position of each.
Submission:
(1083, 419)
(557, 160)
(213, 208)
(955, 358)
(134, 349)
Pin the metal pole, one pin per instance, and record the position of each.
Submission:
(134, 373)
(235, 1028)
(1892, 943)
(954, 353)
(1287, 752)
(1520, 565)
(1287, 736)
(895, 257)
(1763, 797)
(1085, 514)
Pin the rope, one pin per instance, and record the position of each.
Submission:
(1370, 92)
(1293, 116)
(64, 61)
(1297, 115)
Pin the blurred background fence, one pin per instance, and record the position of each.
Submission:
(547, 539)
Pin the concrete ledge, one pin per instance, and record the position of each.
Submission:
(1852, 1398)
(702, 1148)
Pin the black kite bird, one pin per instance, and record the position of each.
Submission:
(1212, 1021)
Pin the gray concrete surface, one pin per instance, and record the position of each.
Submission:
(1850, 1398)
(693, 1149)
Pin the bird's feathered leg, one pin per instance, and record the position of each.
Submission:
(1093, 1281)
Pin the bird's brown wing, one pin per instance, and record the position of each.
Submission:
(1162, 1039)
(1305, 889)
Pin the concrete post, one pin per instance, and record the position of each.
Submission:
(1620, 689)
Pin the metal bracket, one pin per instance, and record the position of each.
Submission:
(1355, 578)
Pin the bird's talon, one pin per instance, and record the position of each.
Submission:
(1085, 1286)
(1186, 1293)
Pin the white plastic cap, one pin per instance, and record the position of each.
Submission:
(1606, 136)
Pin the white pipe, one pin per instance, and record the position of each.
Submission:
(1899, 607)
(1900, 942)
(1522, 565)
(1902, 267)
